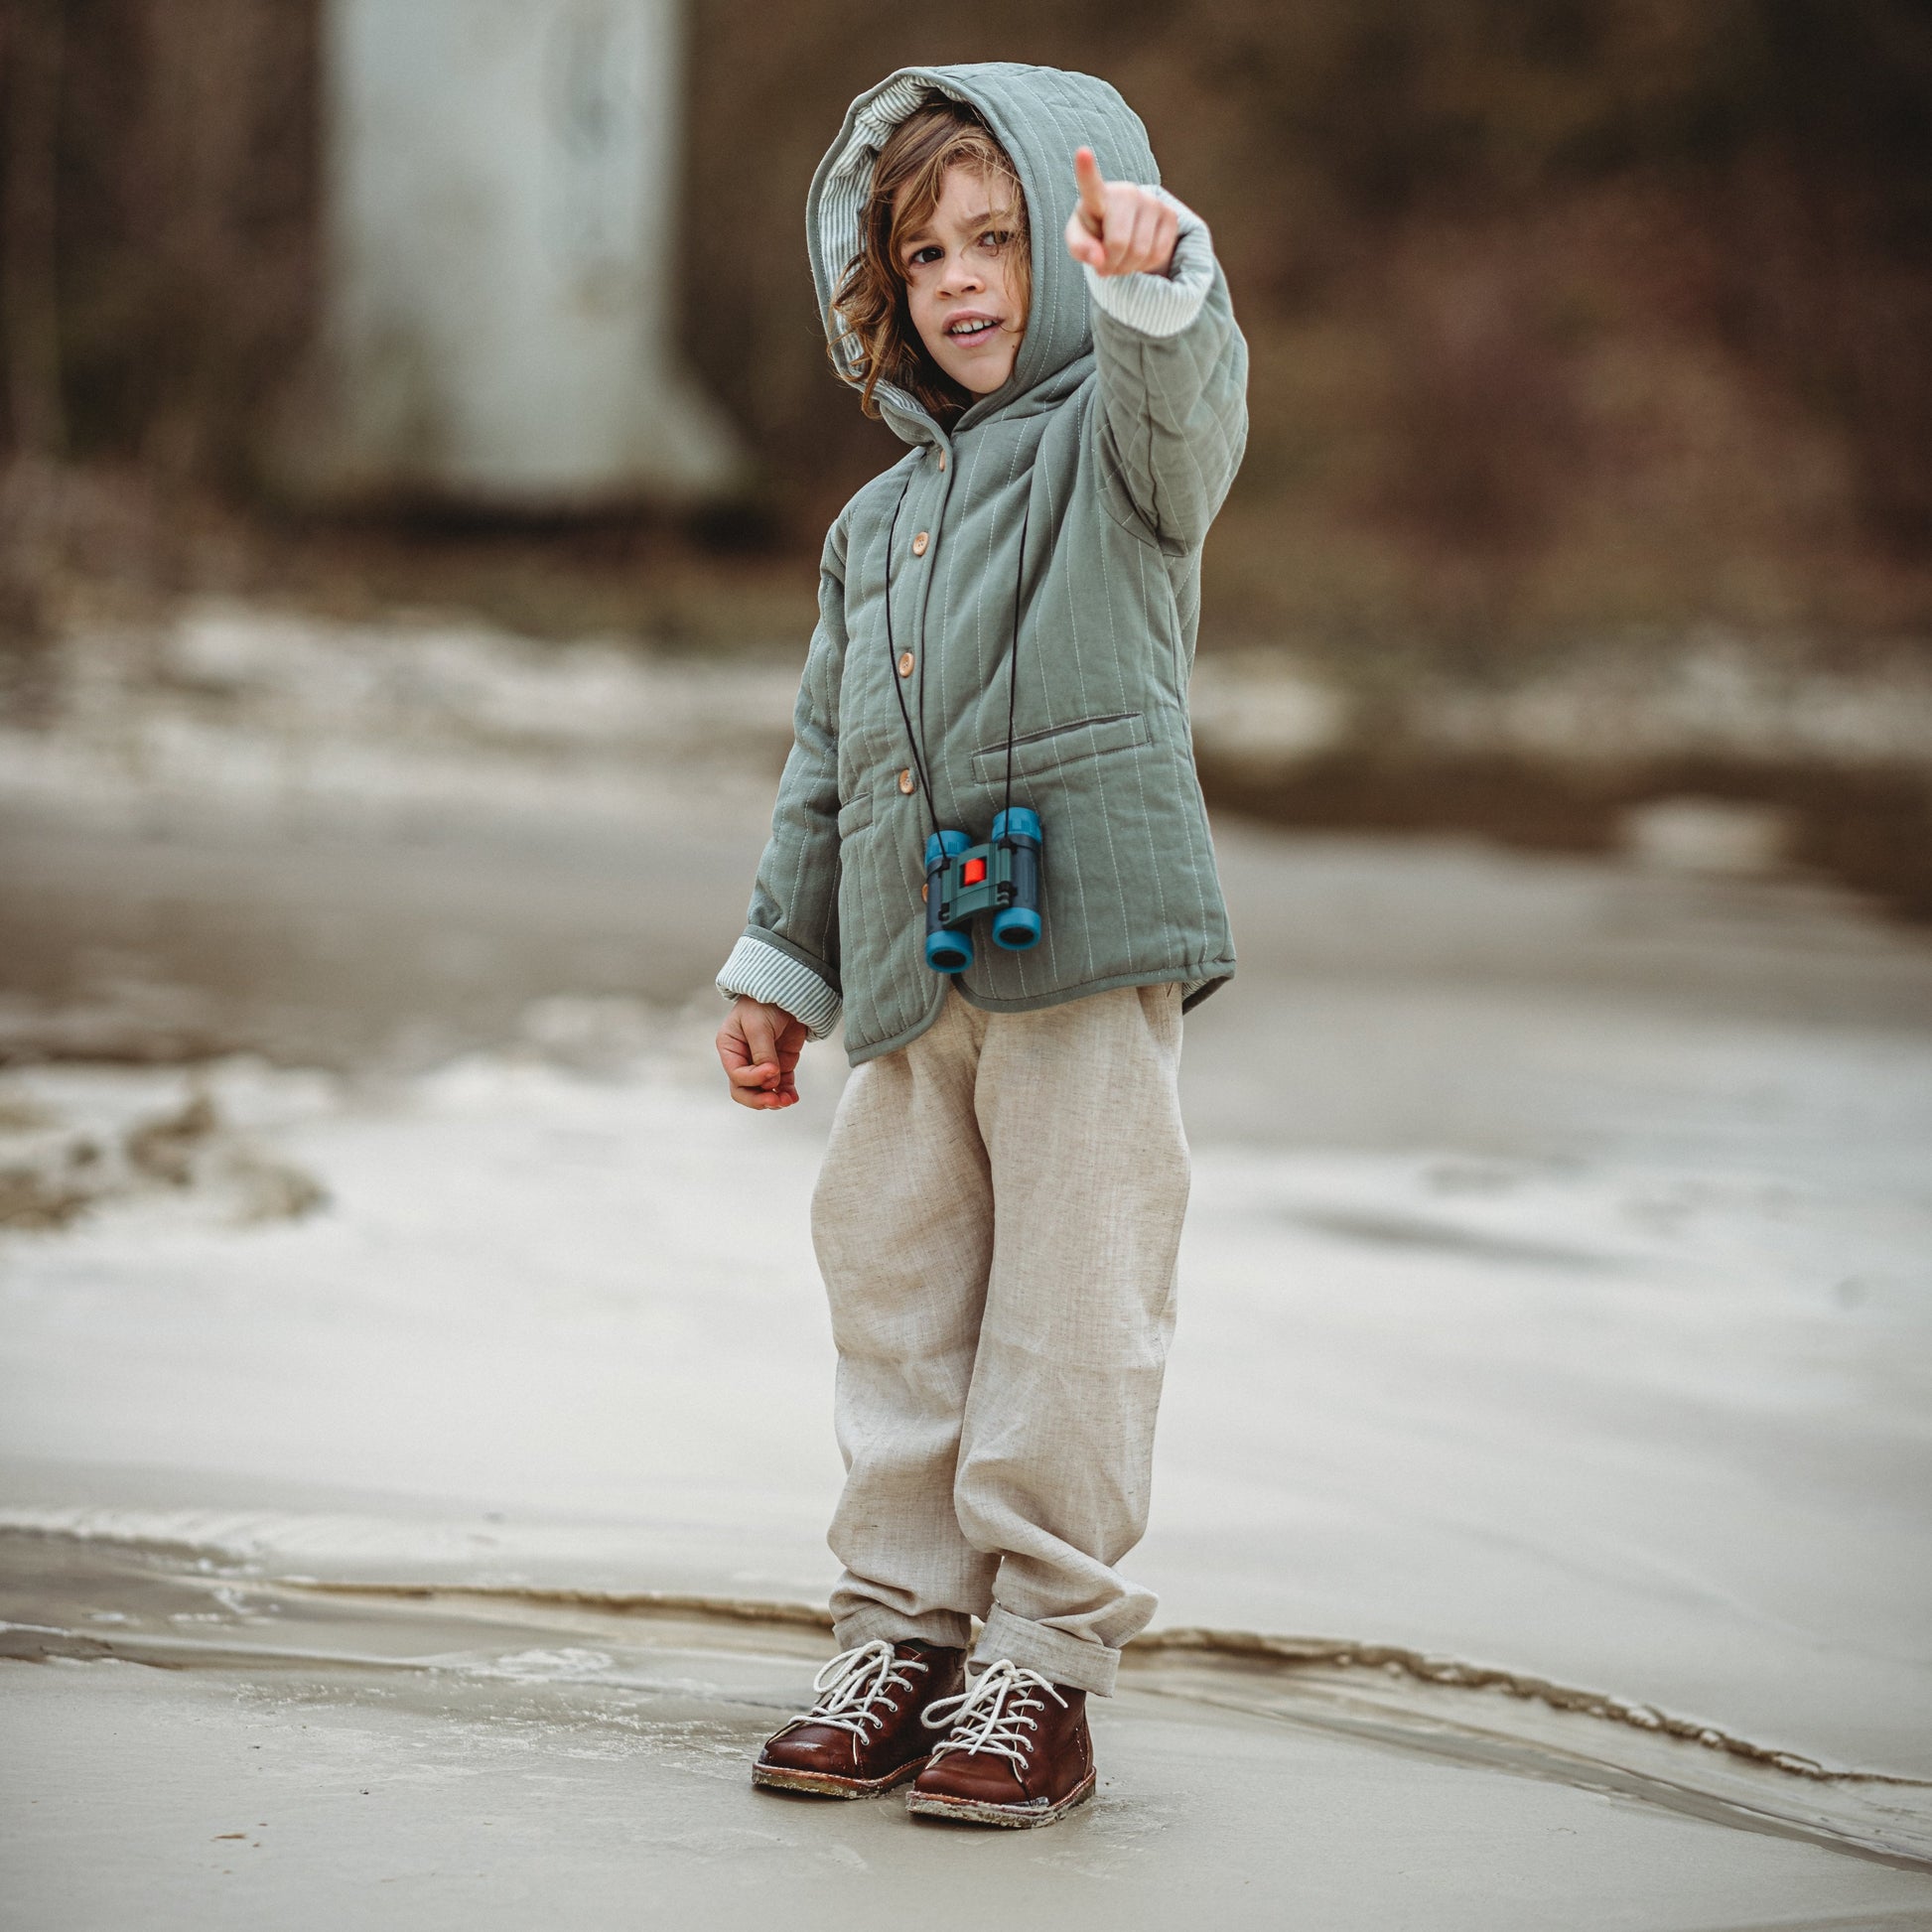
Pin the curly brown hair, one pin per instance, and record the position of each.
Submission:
(870, 312)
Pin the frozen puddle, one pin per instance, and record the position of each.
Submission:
(272, 1752)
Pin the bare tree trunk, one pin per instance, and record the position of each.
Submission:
(200, 60)
(32, 33)
(30, 36)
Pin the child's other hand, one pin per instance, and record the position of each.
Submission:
(759, 1046)
(1116, 227)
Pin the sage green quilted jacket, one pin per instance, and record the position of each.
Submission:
(1115, 440)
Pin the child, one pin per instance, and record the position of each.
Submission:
(1007, 617)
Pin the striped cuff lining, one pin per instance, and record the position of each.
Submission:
(760, 972)
(1162, 304)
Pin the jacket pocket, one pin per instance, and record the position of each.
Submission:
(854, 814)
(1058, 746)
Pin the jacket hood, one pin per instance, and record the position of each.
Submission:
(1040, 115)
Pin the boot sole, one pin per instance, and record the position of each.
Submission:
(975, 1811)
(823, 1784)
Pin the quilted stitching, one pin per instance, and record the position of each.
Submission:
(1115, 441)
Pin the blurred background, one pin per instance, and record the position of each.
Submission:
(1591, 461)
(417, 444)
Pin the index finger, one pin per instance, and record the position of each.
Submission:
(1086, 173)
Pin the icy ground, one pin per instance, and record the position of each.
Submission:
(1555, 1299)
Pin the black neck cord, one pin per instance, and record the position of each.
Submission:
(1013, 655)
(891, 654)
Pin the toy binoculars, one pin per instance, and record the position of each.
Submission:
(963, 879)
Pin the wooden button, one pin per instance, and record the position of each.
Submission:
(920, 543)
(906, 663)
(942, 459)
(906, 779)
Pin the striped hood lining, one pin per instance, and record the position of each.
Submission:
(1040, 115)
(849, 186)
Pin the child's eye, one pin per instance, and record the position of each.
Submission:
(997, 237)
(925, 254)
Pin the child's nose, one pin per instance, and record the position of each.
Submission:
(961, 275)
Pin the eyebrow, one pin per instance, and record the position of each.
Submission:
(920, 237)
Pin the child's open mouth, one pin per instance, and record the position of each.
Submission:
(972, 328)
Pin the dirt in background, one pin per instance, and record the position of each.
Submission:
(1564, 312)
(1869, 830)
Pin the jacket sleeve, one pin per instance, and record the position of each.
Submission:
(1172, 396)
(789, 952)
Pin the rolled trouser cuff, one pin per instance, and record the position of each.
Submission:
(867, 1624)
(1060, 1659)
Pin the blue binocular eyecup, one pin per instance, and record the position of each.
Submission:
(946, 950)
(963, 879)
(1015, 920)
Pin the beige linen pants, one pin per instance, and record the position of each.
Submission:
(997, 1222)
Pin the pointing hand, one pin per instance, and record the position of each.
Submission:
(1116, 227)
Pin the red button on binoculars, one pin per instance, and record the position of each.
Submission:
(972, 871)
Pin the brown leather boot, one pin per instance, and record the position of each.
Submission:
(863, 1735)
(1017, 1752)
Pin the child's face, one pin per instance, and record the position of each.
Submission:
(957, 283)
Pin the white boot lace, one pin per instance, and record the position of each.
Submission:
(853, 1682)
(991, 1715)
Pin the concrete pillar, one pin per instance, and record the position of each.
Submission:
(502, 194)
